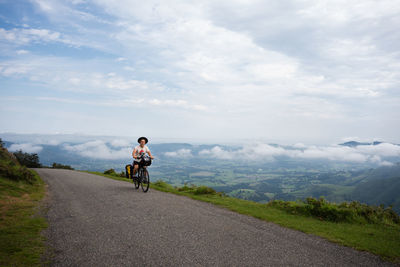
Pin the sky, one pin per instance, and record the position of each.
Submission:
(278, 71)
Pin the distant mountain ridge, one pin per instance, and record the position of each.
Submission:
(355, 143)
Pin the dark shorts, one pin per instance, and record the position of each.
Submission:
(135, 163)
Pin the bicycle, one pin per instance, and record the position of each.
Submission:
(143, 177)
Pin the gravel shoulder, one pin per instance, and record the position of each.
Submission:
(96, 221)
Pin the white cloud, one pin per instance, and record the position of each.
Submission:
(22, 52)
(383, 149)
(45, 141)
(359, 154)
(218, 152)
(24, 36)
(72, 75)
(299, 145)
(181, 153)
(53, 142)
(176, 103)
(334, 153)
(99, 150)
(26, 147)
(120, 143)
(8, 70)
(386, 163)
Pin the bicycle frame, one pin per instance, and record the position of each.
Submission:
(143, 178)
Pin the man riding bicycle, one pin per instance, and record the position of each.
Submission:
(138, 152)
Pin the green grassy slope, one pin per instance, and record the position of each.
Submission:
(21, 190)
(379, 191)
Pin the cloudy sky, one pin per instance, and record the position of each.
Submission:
(285, 71)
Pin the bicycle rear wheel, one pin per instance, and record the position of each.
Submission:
(145, 180)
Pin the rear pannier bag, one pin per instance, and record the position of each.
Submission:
(128, 171)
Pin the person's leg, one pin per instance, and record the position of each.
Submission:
(135, 168)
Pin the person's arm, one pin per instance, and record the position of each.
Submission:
(148, 152)
(134, 154)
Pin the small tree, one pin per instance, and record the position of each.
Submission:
(28, 160)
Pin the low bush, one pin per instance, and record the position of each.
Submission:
(162, 185)
(197, 190)
(204, 190)
(110, 172)
(352, 212)
(114, 173)
(11, 169)
(186, 188)
(17, 173)
(61, 166)
(27, 159)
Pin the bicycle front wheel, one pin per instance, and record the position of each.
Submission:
(145, 181)
(137, 179)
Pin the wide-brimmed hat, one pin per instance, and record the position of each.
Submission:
(145, 139)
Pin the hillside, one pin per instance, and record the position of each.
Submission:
(11, 169)
(21, 190)
(382, 186)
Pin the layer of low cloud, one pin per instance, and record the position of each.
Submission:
(383, 154)
(181, 153)
(26, 147)
(99, 149)
(360, 154)
(120, 143)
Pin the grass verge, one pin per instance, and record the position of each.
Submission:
(380, 239)
(21, 242)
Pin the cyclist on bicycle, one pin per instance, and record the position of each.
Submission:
(138, 152)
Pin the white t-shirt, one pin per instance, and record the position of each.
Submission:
(140, 150)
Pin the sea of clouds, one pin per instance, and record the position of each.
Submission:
(359, 154)
(114, 149)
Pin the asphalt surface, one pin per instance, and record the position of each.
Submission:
(95, 221)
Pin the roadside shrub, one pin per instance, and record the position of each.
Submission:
(11, 169)
(186, 188)
(162, 184)
(353, 212)
(27, 159)
(114, 173)
(61, 166)
(191, 189)
(197, 190)
(17, 173)
(110, 172)
(204, 190)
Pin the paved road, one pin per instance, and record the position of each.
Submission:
(95, 221)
